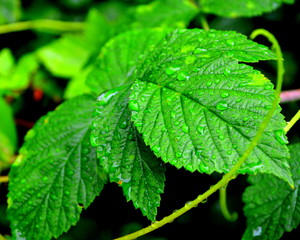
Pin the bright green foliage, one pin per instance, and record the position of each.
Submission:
(9, 11)
(64, 57)
(8, 134)
(56, 173)
(272, 207)
(238, 8)
(165, 13)
(15, 76)
(123, 153)
(193, 100)
(119, 57)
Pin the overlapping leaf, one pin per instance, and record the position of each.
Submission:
(198, 108)
(56, 174)
(123, 153)
(238, 8)
(119, 57)
(272, 207)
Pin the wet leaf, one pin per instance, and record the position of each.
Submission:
(271, 206)
(56, 174)
(195, 100)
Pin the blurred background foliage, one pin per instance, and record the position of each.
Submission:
(47, 63)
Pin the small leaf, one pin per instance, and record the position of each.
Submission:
(194, 100)
(119, 57)
(238, 8)
(56, 173)
(123, 153)
(64, 57)
(271, 206)
(165, 13)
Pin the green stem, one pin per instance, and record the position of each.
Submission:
(3, 179)
(223, 206)
(44, 24)
(232, 173)
(292, 122)
(204, 22)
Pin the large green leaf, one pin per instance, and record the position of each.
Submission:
(200, 108)
(271, 206)
(56, 174)
(119, 57)
(123, 153)
(165, 13)
(238, 8)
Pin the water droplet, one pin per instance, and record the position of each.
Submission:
(200, 129)
(190, 167)
(185, 128)
(238, 100)
(200, 50)
(257, 231)
(245, 119)
(178, 154)
(45, 178)
(222, 106)
(227, 71)
(134, 105)
(203, 168)
(280, 136)
(156, 148)
(123, 124)
(106, 96)
(221, 137)
(172, 69)
(208, 84)
(229, 152)
(182, 76)
(230, 42)
(224, 94)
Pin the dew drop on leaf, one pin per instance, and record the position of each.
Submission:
(230, 42)
(182, 76)
(172, 69)
(222, 106)
(280, 136)
(224, 94)
(134, 105)
(208, 84)
(185, 128)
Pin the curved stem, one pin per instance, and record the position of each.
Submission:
(45, 24)
(223, 206)
(203, 22)
(292, 122)
(3, 179)
(232, 173)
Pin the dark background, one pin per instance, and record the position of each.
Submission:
(110, 215)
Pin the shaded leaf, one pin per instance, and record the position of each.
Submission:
(56, 173)
(123, 153)
(271, 206)
(238, 8)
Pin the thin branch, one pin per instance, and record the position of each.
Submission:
(43, 24)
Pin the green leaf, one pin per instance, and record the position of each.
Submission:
(16, 77)
(10, 11)
(64, 57)
(165, 13)
(194, 100)
(7, 62)
(123, 153)
(238, 8)
(271, 206)
(8, 126)
(56, 173)
(119, 56)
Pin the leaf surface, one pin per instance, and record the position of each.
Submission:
(123, 153)
(195, 101)
(271, 206)
(118, 58)
(238, 8)
(56, 174)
